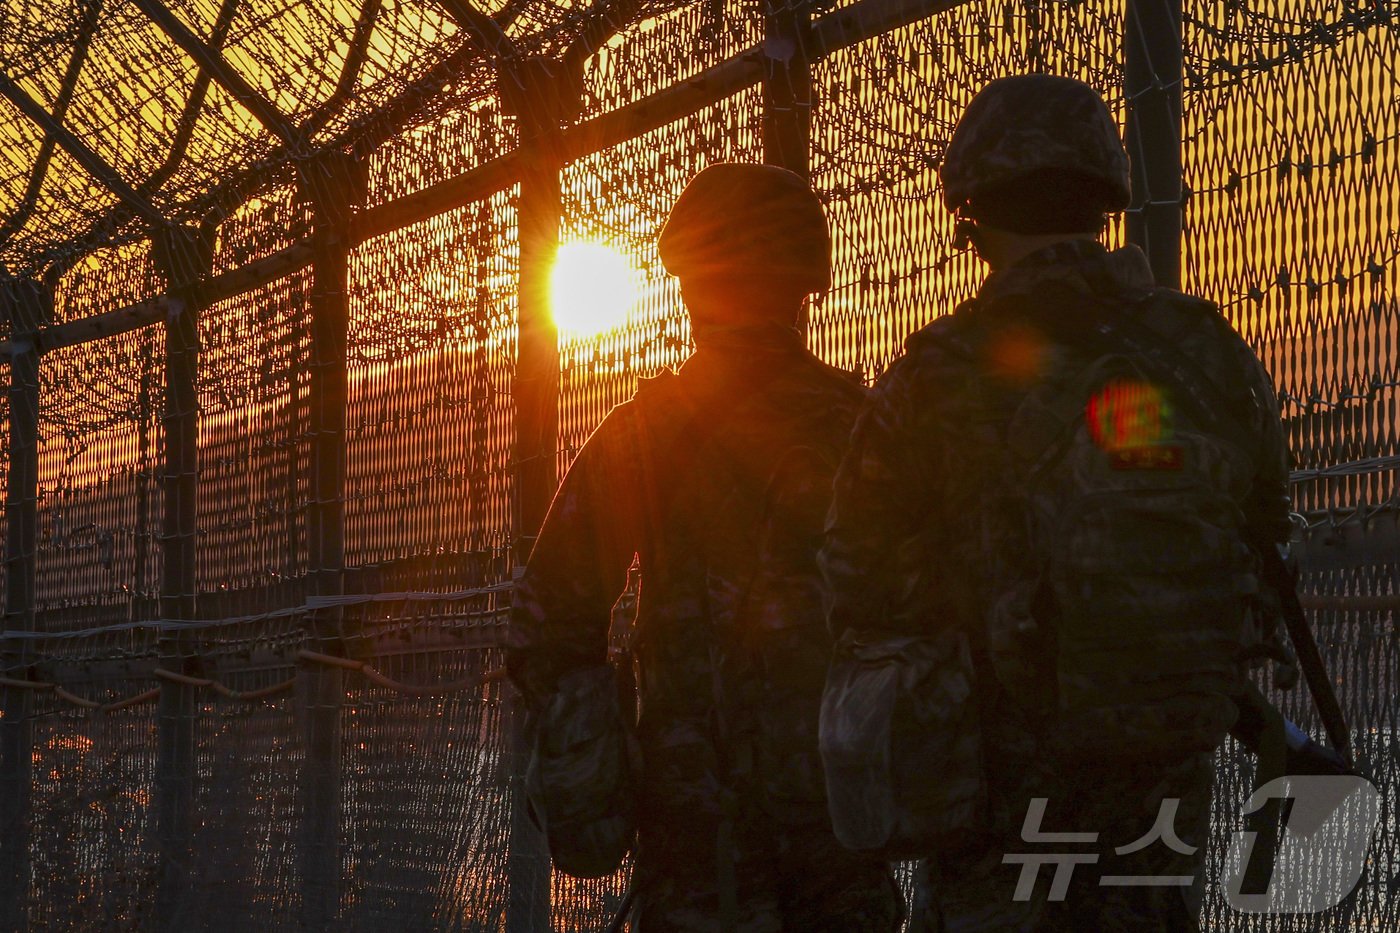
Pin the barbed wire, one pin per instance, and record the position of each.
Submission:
(1289, 149)
(260, 694)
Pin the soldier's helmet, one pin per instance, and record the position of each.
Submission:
(737, 220)
(1029, 125)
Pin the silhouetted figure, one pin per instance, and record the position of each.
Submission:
(1053, 488)
(717, 478)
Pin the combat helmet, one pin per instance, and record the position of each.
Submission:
(1026, 125)
(746, 220)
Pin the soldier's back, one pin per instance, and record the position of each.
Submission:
(732, 649)
(977, 369)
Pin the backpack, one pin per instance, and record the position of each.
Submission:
(1110, 583)
(1116, 543)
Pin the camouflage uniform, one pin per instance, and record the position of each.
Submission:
(717, 479)
(647, 483)
(914, 517)
(901, 554)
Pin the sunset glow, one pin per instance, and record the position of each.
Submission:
(592, 288)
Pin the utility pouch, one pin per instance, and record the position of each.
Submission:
(901, 744)
(584, 773)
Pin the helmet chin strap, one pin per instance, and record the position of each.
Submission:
(963, 232)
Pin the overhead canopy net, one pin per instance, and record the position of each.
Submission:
(133, 85)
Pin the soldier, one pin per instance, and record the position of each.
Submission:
(1062, 475)
(717, 479)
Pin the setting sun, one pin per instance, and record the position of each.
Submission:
(592, 288)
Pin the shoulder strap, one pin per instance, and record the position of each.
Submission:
(1277, 575)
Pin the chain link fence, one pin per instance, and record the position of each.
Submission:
(286, 404)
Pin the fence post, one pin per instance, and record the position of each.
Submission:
(29, 306)
(1152, 84)
(787, 85)
(787, 93)
(184, 256)
(334, 185)
(538, 95)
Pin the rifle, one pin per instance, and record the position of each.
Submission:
(1277, 575)
(1280, 746)
(619, 921)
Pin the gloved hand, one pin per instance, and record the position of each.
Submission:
(1314, 758)
(1301, 755)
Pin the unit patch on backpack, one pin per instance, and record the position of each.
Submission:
(1131, 419)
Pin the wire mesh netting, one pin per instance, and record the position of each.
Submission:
(98, 560)
(426, 803)
(279, 705)
(92, 807)
(1290, 127)
(1293, 228)
(431, 350)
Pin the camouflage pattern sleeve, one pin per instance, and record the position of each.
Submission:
(561, 613)
(1268, 506)
(880, 499)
